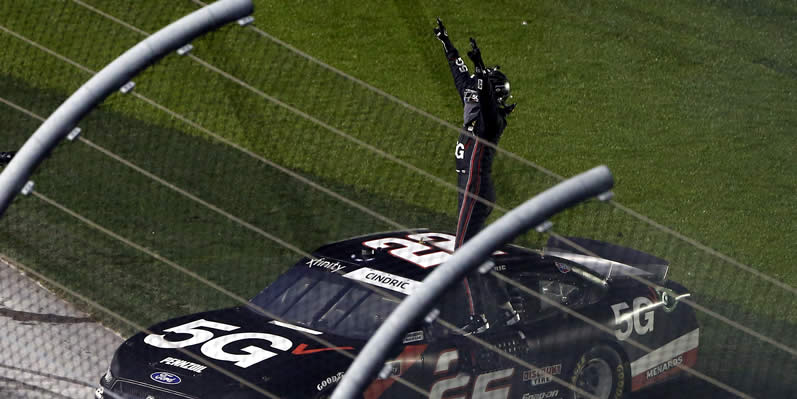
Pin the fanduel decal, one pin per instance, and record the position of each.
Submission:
(384, 280)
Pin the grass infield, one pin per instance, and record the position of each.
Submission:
(690, 104)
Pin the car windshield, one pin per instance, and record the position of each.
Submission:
(326, 301)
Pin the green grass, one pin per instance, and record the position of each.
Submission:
(690, 104)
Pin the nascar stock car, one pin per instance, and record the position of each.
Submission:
(325, 307)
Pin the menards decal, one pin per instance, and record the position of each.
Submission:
(665, 361)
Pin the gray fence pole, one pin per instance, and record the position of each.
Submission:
(470, 256)
(105, 82)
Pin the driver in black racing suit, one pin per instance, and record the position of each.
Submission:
(483, 97)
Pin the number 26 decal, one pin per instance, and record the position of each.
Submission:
(414, 248)
(214, 347)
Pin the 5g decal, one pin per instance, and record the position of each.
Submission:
(214, 347)
(634, 320)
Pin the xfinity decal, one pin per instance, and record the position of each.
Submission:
(323, 263)
(384, 280)
(183, 364)
(165, 378)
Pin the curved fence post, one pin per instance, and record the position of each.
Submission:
(109, 79)
(470, 256)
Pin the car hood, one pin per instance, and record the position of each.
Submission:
(209, 355)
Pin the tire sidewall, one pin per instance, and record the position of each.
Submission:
(620, 369)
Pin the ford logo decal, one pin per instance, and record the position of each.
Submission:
(165, 378)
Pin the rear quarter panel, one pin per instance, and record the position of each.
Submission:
(657, 340)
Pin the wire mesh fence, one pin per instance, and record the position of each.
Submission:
(225, 167)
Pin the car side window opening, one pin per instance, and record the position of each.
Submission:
(556, 288)
(562, 292)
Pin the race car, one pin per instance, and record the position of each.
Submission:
(607, 324)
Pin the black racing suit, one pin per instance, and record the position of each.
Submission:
(484, 119)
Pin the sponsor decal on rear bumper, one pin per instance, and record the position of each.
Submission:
(665, 361)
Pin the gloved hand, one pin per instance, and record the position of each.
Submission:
(475, 55)
(5, 157)
(442, 35)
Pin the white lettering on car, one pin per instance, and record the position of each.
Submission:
(323, 263)
(483, 388)
(423, 249)
(384, 280)
(635, 320)
(183, 364)
(543, 375)
(542, 395)
(329, 381)
(214, 347)
(674, 362)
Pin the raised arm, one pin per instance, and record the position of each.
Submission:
(458, 68)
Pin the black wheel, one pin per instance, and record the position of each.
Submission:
(600, 372)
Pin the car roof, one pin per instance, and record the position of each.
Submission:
(392, 257)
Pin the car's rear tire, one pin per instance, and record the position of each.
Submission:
(601, 372)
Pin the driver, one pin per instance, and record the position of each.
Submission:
(483, 96)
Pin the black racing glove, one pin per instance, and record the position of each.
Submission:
(475, 55)
(442, 35)
(5, 157)
(508, 109)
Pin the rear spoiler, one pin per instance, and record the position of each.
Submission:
(608, 260)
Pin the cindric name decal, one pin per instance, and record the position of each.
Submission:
(384, 280)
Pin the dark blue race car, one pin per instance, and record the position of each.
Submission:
(608, 325)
